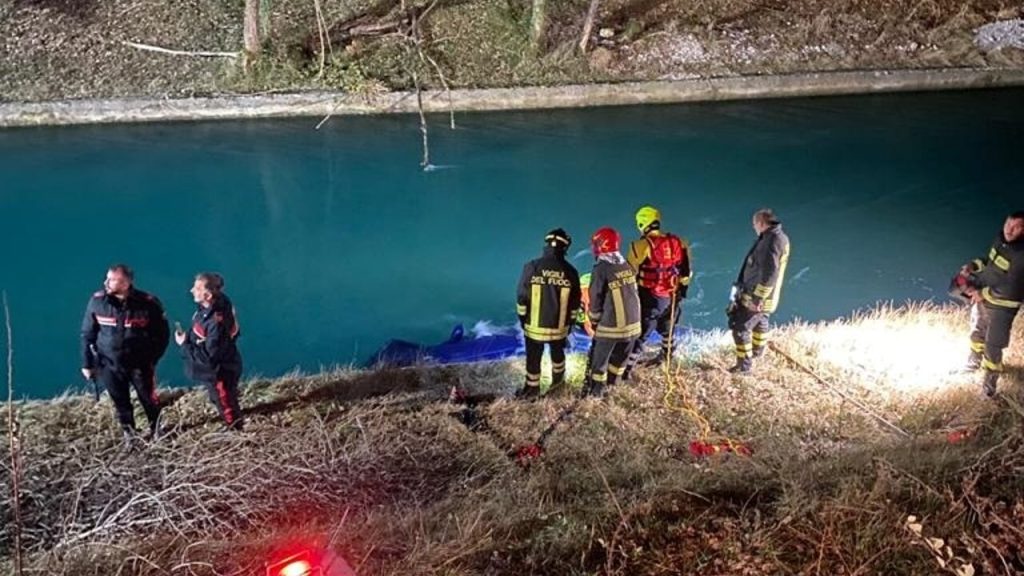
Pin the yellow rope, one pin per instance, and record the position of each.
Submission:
(677, 396)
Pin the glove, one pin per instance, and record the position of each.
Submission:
(748, 302)
(522, 321)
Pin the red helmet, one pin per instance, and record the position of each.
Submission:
(604, 241)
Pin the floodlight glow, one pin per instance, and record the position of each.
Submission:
(905, 354)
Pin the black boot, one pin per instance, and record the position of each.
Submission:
(528, 393)
(155, 429)
(988, 383)
(558, 389)
(129, 436)
(973, 362)
(657, 360)
(743, 366)
(758, 351)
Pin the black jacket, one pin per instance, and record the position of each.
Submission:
(1000, 275)
(547, 297)
(129, 333)
(760, 279)
(614, 301)
(209, 350)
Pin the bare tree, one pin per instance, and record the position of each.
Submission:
(251, 32)
(588, 25)
(538, 24)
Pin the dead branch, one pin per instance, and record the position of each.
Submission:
(12, 431)
(202, 54)
(321, 26)
(588, 25)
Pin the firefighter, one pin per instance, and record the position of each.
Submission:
(547, 298)
(209, 347)
(614, 312)
(757, 289)
(662, 263)
(996, 288)
(124, 335)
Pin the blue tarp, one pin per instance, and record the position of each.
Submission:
(461, 348)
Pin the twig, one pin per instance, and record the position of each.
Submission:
(444, 82)
(200, 53)
(12, 431)
(423, 120)
(888, 466)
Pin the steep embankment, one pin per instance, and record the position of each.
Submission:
(70, 49)
(383, 468)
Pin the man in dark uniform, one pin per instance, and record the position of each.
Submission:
(996, 287)
(662, 264)
(547, 298)
(124, 334)
(614, 312)
(209, 349)
(757, 289)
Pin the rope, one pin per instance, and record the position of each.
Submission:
(832, 388)
(677, 396)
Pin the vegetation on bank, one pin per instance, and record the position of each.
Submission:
(56, 49)
(386, 469)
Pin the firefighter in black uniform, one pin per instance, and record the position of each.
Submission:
(209, 347)
(662, 264)
(547, 298)
(614, 312)
(996, 287)
(757, 289)
(124, 335)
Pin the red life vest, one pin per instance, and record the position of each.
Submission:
(659, 272)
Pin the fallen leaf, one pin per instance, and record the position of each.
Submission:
(965, 570)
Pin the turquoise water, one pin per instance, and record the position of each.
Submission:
(333, 241)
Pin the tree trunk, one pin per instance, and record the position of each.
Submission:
(588, 25)
(251, 32)
(538, 24)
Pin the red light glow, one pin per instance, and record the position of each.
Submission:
(297, 568)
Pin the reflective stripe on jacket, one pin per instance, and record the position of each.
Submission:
(547, 297)
(130, 333)
(614, 301)
(764, 269)
(1000, 275)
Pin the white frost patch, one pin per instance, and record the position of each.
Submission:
(671, 50)
(1004, 34)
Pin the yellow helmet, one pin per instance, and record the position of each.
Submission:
(646, 216)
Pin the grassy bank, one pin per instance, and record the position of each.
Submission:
(58, 49)
(381, 467)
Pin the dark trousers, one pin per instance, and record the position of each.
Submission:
(119, 381)
(990, 333)
(608, 360)
(224, 395)
(656, 313)
(749, 333)
(534, 354)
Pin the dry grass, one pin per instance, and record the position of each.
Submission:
(52, 49)
(380, 467)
